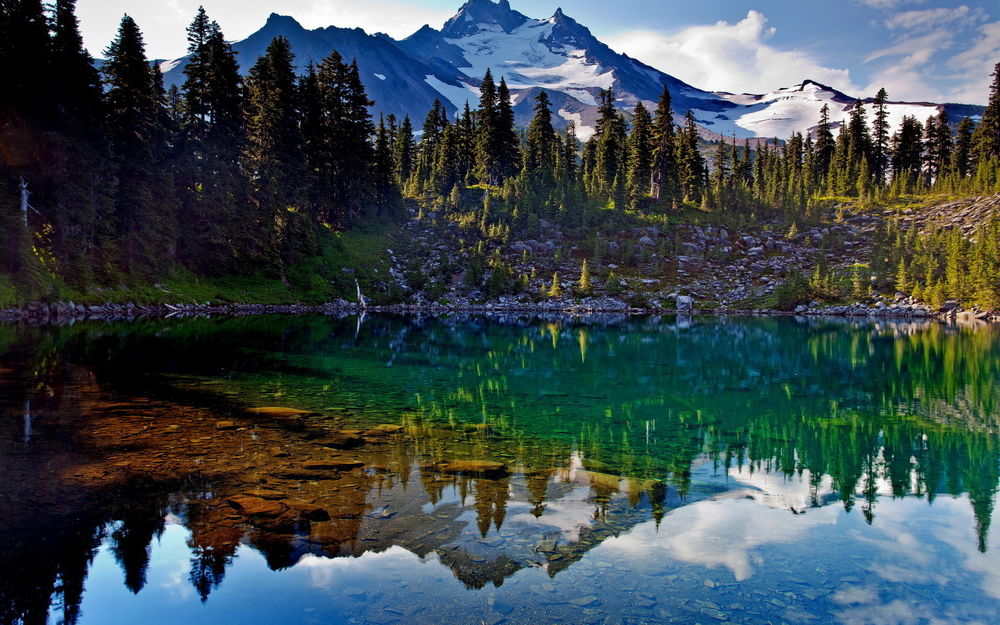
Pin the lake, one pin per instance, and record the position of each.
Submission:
(606, 470)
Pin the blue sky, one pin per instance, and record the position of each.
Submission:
(919, 50)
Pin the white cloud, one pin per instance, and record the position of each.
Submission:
(975, 66)
(729, 57)
(927, 19)
(915, 66)
(888, 4)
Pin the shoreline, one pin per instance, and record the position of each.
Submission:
(70, 313)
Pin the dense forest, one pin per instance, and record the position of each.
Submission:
(110, 180)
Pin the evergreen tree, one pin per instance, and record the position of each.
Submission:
(272, 155)
(218, 229)
(825, 145)
(488, 165)
(507, 143)
(962, 155)
(345, 147)
(402, 152)
(433, 133)
(880, 139)
(640, 156)
(665, 180)
(132, 122)
(541, 144)
(938, 145)
(987, 135)
(907, 150)
(691, 165)
(607, 152)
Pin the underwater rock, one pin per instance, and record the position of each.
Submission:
(340, 441)
(257, 507)
(484, 468)
(280, 412)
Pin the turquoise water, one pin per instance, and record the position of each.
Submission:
(603, 470)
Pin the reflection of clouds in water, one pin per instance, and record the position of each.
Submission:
(720, 534)
(739, 535)
(777, 490)
(567, 514)
(898, 612)
(954, 530)
(324, 572)
(170, 561)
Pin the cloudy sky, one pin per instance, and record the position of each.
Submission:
(919, 50)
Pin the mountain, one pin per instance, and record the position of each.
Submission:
(393, 79)
(557, 55)
(783, 111)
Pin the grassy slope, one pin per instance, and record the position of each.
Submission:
(312, 281)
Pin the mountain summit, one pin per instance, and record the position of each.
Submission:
(557, 55)
(475, 15)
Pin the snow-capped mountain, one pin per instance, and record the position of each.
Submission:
(796, 109)
(557, 55)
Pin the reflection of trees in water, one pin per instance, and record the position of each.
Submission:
(896, 409)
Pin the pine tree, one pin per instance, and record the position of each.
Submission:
(608, 151)
(430, 141)
(488, 166)
(218, 231)
(346, 150)
(907, 151)
(541, 143)
(690, 163)
(825, 145)
(555, 289)
(665, 179)
(507, 144)
(81, 197)
(962, 155)
(584, 288)
(132, 120)
(640, 156)
(272, 155)
(880, 139)
(986, 138)
(402, 152)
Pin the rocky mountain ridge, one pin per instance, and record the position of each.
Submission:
(557, 55)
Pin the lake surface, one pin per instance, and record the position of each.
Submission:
(510, 470)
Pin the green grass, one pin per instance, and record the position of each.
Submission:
(314, 280)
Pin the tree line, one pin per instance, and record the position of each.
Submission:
(108, 175)
(231, 174)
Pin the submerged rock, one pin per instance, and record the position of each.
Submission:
(280, 412)
(257, 507)
(340, 441)
(484, 468)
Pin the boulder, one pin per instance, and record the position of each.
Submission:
(685, 303)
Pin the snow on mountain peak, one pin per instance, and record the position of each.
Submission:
(476, 14)
(557, 55)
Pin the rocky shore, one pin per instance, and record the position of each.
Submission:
(901, 307)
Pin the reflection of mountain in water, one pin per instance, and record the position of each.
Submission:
(598, 428)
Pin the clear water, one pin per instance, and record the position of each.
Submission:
(602, 470)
